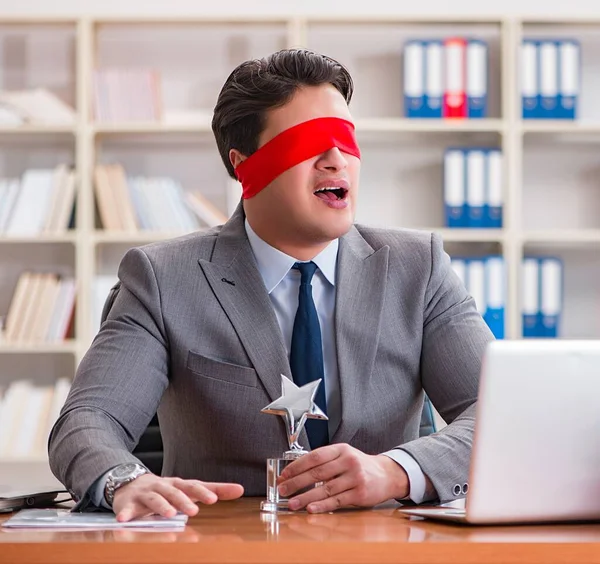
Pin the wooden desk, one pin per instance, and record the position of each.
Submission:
(236, 531)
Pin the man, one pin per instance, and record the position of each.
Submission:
(204, 325)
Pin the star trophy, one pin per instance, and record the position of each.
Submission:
(295, 405)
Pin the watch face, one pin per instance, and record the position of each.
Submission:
(124, 471)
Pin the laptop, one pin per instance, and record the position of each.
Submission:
(536, 447)
(13, 499)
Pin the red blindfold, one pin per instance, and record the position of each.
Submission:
(293, 146)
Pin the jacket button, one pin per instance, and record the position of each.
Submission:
(457, 489)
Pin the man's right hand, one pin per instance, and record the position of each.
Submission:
(151, 494)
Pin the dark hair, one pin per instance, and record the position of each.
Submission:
(258, 85)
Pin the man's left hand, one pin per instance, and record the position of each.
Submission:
(350, 478)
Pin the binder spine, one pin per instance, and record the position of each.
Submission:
(531, 297)
(476, 283)
(493, 207)
(551, 302)
(475, 188)
(454, 188)
(569, 78)
(455, 98)
(496, 295)
(414, 79)
(434, 79)
(460, 269)
(530, 80)
(548, 100)
(477, 79)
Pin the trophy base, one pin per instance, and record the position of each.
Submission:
(276, 503)
(275, 507)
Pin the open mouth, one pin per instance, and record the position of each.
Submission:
(331, 193)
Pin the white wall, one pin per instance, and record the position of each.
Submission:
(521, 8)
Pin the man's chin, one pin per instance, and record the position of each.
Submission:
(336, 229)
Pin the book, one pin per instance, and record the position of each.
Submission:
(36, 106)
(206, 211)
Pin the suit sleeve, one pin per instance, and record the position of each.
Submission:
(118, 384)
(454, 341)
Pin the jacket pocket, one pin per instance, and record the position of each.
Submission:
(220, 370)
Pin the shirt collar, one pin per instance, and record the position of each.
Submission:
(274, 265)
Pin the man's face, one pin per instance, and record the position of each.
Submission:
(295, 210)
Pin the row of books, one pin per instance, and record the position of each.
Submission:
(550, 78)
(41, 309)
(133, 203)
(38, 106)
(542, 305)
(27, 414)
(446, 78)
(127, 94)
(473, 188)
(41, 202)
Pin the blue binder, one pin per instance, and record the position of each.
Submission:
(568, 78)
(551, 276)
(494, 189)
(459, 265)
(476, 283)
(549, 65)
(414, 79)
(530, 79)
(531, 297)
(495, 288)
(454, 188)
(434, 79)
(475, 187)
(477, 79)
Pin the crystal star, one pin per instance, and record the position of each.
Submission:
(296, 405)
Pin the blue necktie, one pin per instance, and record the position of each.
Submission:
(306, 354)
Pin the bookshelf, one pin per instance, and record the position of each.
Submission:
(551, 197)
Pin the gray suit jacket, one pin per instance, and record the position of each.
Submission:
(193, 333)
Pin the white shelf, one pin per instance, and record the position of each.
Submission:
(149, 127)
(119, 237)
(47, 238)
(558, 126)
(367, 125)
(378, 125)
(25, 459)
(563, 237)
(37, 129)
(67, 347)
(471, 235)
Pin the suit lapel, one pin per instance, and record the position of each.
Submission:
(236, 282)
(360, 292)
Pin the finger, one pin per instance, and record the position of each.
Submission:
(178, 499)
(131, 510)
(225, 492)
(327, 490)
(208, 492)
(321, 473)
(345, 499)
(156, 503)
(315, 458)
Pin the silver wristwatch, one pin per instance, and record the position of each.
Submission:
(121, 475)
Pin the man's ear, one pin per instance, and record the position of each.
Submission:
(235, 158)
